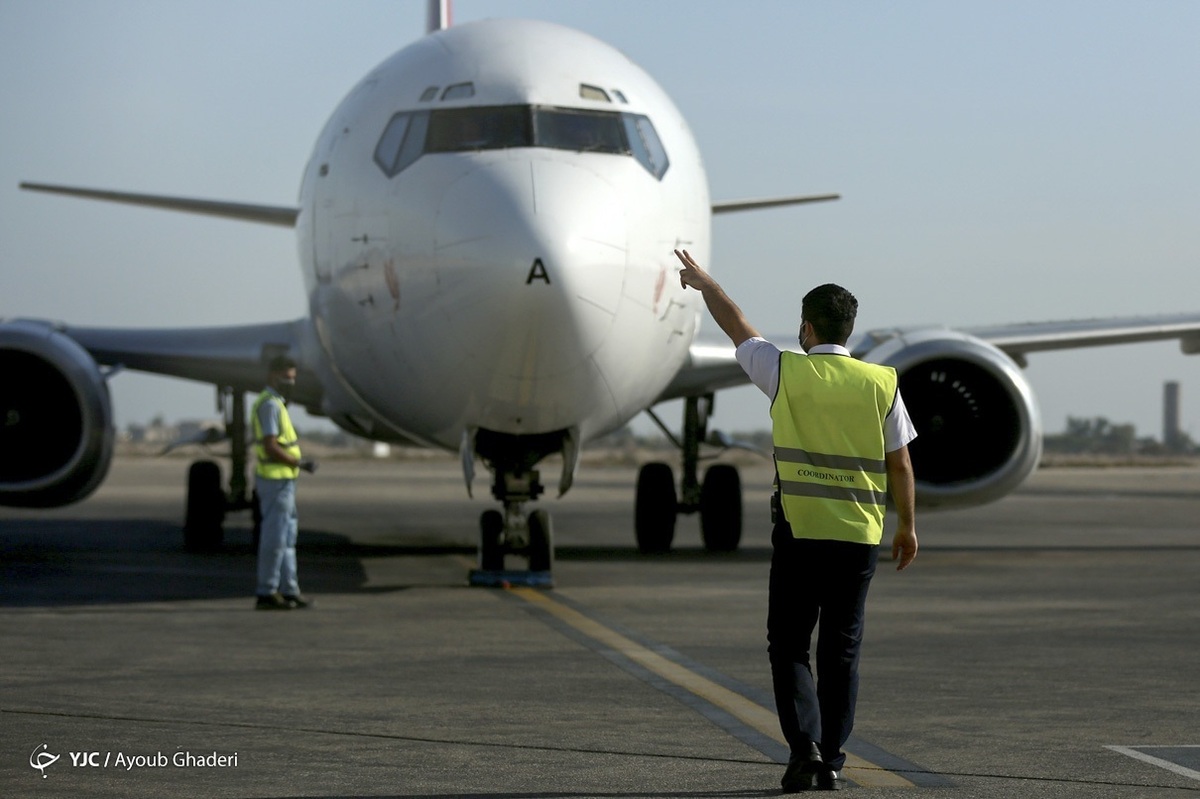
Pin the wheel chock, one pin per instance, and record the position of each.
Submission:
(505, 578)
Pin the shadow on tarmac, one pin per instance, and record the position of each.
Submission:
(59, 562)
(571, 795)
(56, 562)
(584, 554)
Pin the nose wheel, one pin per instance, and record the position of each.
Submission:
(512, 533)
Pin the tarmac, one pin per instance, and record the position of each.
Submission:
(1045, 646)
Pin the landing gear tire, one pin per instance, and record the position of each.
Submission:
(204, 513)
(491, 553)
(721, 508)
(655, 508)
(541, 543)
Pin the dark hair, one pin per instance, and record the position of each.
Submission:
(831, 310)
(280, 363)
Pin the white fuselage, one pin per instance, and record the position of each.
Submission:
(519, 289)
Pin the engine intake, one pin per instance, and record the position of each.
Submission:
(978, 425)
(56, 435)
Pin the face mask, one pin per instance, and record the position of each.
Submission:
(285, 387)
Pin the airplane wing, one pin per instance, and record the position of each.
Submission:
(283, 216)
(60, 408)
(1018, 340)
(711, 367)
(770, 202)
(223, 356)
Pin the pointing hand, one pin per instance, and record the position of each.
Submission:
(691, 274)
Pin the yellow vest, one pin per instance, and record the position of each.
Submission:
(287, 439)
(827, 425)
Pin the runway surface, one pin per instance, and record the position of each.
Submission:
(1045, 645)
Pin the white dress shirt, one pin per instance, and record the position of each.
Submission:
(760, 359)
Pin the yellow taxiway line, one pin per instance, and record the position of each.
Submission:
(752, 714)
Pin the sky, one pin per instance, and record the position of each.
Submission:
(999, 162)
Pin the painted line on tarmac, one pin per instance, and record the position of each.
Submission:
(1139, 753)
(726, 703)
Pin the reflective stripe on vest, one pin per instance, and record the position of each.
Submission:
(827, 425)
(287, 439)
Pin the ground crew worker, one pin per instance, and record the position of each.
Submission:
(841, 435)
(277, 448)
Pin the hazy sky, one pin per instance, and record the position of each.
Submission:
(1000, 162)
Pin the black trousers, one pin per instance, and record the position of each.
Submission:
(817, 582)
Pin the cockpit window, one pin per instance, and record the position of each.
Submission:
(585, 131)
(647, 147)
(410, 134)
(593, 93)
(491, 127)
(402, 142)
(388, 149)
(459, 91)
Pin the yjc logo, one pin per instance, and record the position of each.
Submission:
(87, 759)
(42, 760)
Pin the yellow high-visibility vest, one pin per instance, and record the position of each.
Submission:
(827, 425)
(287, 439)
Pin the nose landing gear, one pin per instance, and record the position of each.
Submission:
(511, 532)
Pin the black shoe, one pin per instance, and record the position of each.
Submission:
(297, 600)
(273, 602)
(800, 771)
(830, 780)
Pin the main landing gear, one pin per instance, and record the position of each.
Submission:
(207, 502)
(718, 498)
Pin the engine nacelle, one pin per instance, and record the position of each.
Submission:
(978, 424)
(56, 434)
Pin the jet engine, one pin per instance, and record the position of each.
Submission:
(978, 425)
(56, 434)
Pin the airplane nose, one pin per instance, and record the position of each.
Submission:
(535, 251)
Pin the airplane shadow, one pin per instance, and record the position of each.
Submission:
(57, 562)
(675, 556)
(600, 795)
(82, 562)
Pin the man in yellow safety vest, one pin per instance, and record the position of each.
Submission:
(277, 447)
(841, 435)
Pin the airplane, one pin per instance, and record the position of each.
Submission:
(486, 230)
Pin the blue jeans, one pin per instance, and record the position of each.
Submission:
(817, 584)
(277, 546)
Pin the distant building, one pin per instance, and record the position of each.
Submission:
(159, 432)
(1173, 438)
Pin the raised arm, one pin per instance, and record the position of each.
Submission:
(724, 311)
